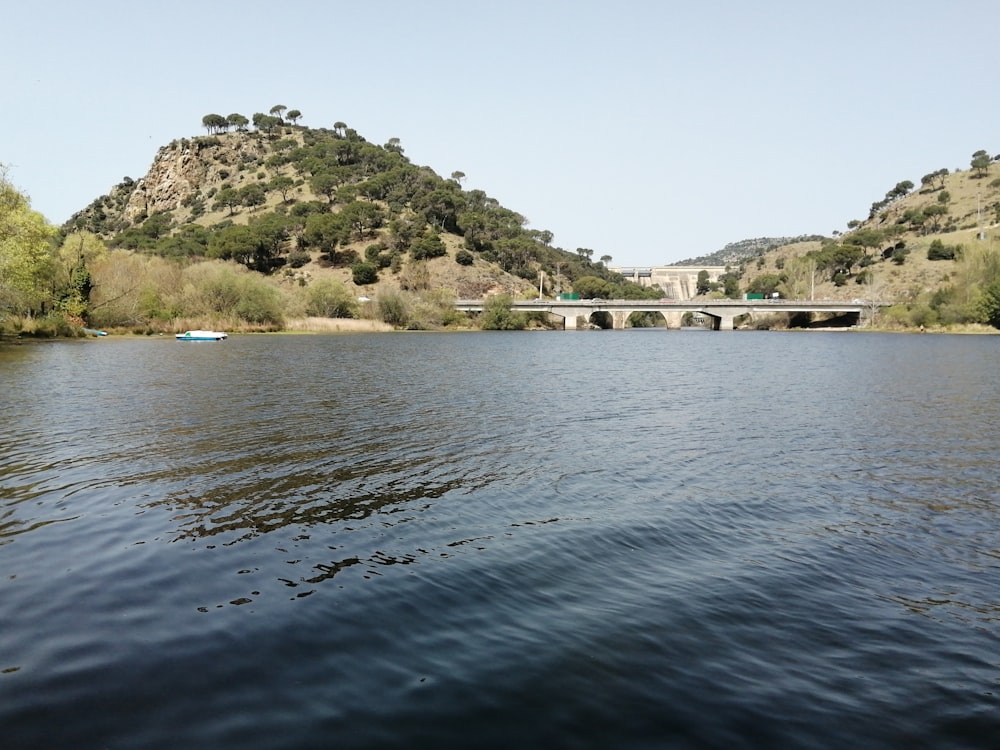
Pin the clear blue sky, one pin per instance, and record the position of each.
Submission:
(648, 130)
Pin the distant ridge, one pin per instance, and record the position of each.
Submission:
(737, 253)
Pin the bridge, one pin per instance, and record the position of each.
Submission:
(722, 312)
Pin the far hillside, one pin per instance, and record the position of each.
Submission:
(931, 251)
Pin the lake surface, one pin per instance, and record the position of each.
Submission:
(618, 539)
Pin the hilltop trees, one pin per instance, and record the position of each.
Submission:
(901, 190)
(238, 121)
(980, 163)
(214, 123)
(927, 181)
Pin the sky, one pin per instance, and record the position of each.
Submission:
(651, 131)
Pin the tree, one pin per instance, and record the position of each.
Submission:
(440, 207)
(545, 237)
(252, 195)
(238, 121)
(293, 116)
(326, 183)
(227, 197)
(605, 259)
(730, 285)
(866, 239)
(428, 246)
(498, 316)
(591, 287)
(278, 111)
(26, 263)
(980, 163)
(362, 217)
(902, 189)
(214, 123)
(325, 231)
(798, 278)
(255, 245)
(988, 305)
(233, 243)
(281, 183)
(703, 286)
(934, 214)
(765, 284)
(265, 123)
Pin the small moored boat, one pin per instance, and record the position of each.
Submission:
(202, 336)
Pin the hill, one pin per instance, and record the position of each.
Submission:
(741, 252)
(930, 252)
(300, 203)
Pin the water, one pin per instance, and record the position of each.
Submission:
(635, 539)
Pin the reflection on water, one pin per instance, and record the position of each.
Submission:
(637, 538)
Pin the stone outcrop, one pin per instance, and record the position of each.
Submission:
(184, 169)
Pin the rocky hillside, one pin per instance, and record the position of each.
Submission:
(305, 201)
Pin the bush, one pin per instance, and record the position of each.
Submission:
(330, 298)
(372, 252)
(259, 302)
(428, 246)
(940, 251)
(464, 258)
(364, 273)
(392, 309)
(298, 258)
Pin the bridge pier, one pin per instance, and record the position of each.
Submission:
(674, 319)
(723, 322)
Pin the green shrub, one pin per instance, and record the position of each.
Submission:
(392, 309)
(497, 315)
(940, 251)
(364, 273)
(330, 298)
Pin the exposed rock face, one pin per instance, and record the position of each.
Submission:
(186, 168)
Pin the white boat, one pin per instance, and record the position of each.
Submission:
(202, 336)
